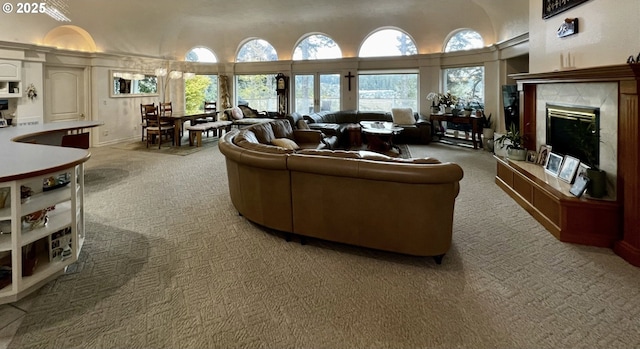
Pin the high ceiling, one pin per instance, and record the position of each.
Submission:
(169, 28)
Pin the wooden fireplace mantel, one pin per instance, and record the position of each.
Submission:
(628, 182)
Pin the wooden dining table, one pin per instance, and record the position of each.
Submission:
(179, 119)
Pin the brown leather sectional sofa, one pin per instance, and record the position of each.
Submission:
(358, 198)
(336, 122)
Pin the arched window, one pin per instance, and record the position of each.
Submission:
(388, 42)
(317, 46)
(256, 50)
(464, 39)
(200, 88)
(201, 54)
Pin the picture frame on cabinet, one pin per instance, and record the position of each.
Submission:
(568, 169)
(552, 166)
(543, 154)
(580, 185)
(531, 156)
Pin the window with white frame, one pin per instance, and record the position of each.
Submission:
(467, 83)
(257, 91)
(200, 88)
(383, 91)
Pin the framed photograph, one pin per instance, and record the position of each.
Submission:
(582, 169)
(543, 154)
(580, 185)
(552, 166)
(531, 156)
(569, 168)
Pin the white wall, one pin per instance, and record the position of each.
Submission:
(608, 34)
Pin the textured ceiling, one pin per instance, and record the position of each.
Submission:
(168, 28)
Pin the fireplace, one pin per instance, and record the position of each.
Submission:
(574, 130)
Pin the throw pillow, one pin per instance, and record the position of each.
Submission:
(285, 143)
(236, 113)
(403, 116)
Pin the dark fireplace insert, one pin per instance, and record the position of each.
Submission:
(574, 130)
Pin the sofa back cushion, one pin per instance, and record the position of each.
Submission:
(263, 132)
(247, 139)
(281, 128)
(374, 116)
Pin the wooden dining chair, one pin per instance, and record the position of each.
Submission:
(209, 108)
(165, 108)
(144, 110)
(155, 127)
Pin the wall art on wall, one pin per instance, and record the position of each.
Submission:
(551, 8)
(568, 27)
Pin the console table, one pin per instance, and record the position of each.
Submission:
(548, 200)
(474, 121)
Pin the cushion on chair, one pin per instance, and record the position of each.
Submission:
(403, 116)
(236, 113)
(285, 143)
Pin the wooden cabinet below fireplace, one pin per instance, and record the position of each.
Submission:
(547, 199)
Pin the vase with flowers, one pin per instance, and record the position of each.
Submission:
(446, 100)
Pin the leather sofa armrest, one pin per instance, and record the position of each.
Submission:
(307, 136)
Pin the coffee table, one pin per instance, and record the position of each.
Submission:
(380, 134)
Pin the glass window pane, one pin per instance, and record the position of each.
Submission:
(330, 92)
(257, 50)
(467, 84)
(386, 91)
(304, 93)
(199, 89)
(201, 54)
(388, 42)
(317, 47)
(464, 40)
(258, 91)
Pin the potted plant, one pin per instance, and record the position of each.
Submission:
(467, 109)
(447, 100)
(515, 151)
(487, 131)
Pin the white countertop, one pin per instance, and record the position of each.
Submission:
(23, 160)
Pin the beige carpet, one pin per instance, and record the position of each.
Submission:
(170, 264)
(167, 148)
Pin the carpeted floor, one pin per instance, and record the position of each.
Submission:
(169, 263)
(167, 148)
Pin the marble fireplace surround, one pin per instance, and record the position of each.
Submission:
(616, 91)
(603, 95)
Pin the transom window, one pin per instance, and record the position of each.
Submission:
(317, 46)
(388, 42)
(201, 54)
(257, 50)
(465, 39)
